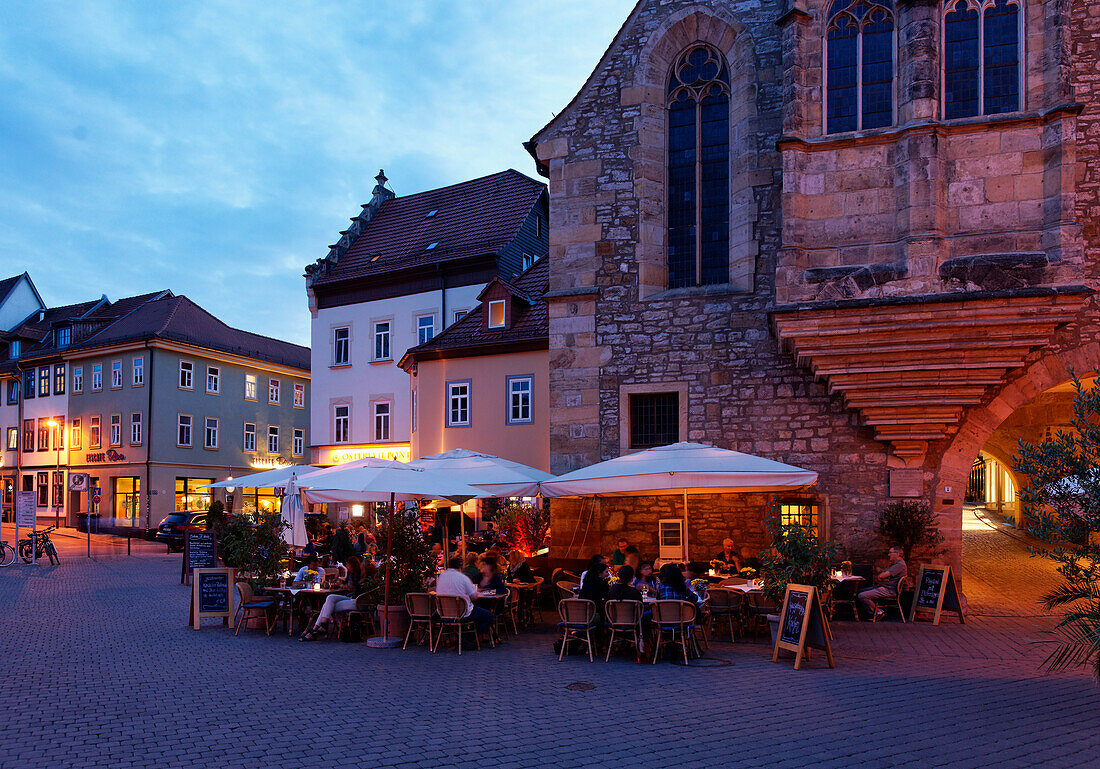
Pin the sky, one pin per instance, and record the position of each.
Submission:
(215, 148)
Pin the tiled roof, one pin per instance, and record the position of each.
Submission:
(473, 218)
(36, 332)
(7, 284)
(531, 323)
(178, 319)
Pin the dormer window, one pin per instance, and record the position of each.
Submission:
(496, 313)
(64, 336)
(13, 349)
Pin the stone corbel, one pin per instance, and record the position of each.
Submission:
(906, 465)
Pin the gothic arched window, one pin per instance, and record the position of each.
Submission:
(698, 169)
(981, 57)
(859, 65)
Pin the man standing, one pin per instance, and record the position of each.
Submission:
(887, 587)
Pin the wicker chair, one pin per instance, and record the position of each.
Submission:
(672, 624)
(567, 589)
(250, 607)
(624, 618)
(419, 607)
(508, 611)
(892, 602)
(726, 609)
(452, 618)
(578, 616)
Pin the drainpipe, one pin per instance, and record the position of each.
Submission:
(442, 298)
(149, 442)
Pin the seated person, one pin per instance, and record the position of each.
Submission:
(633, 559)
(597, 559)
(594, 584)
(437, 554)
(309, 550)
(618, 555)
(644, 579)
(887, 586)
(749, 559)
(355, 573)
(451, 581)
(472, 570)
(728, 556)
(489, 580)
(518, 570)
(694, 574)
(624, 589)
(333, 604)
(313, 563)
(672, 587)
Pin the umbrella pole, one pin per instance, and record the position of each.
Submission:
(687, 555)
(385, 642)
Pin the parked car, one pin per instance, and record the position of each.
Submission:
(175, 526)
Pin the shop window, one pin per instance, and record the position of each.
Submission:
(654, 419)
(116, 374)
(78, 379)
(187, 375)
(341, 424)
(127, 499)
(299, 395)
(981, 53)
(382, 340)
(97, 377)
(250, 387)
(44, 382)
(59, 379)
(260, 500)
(382, 421)
(213, 380)
(249, 442)
(137, 372)
(190, 495)
(273, 439)
(520, 390)
(458, 404)
(9, 492)
(116, 429)
(135, 428)
(804, 514)
(341, 346)
(210, 435)
(183, 431)
(94, 433)
(859, 71)
(698, 169)
(425, 328)
(299, 442)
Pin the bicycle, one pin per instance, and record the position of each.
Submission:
(43, 545)
(7, 554)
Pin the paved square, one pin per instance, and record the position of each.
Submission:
(100, 670)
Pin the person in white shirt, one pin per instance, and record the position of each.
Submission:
(451, 581)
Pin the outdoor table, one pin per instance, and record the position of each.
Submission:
(528, 594)
(292, 593)
(853, 580)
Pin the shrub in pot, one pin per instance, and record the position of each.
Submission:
(412, 565)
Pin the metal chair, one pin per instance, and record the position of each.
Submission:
(624, 618)
(419, 607)
(250, 605)
(577, 616)
(892, 602)
(452, 618)
(760, 606)
(672, 624)
(725, 609)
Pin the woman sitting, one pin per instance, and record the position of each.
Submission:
(643, 578)
(472, 568)
(355, 572)
(594, 587)
(624, 589)
(489, 580)
(518, 570)
(333, 604)
(672, 586)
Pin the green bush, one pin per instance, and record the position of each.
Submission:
(798, 556)
(910, 524)
(255, 546)
(413, 563)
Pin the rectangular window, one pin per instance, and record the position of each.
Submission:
(78, 379)
(520, 390)
(59, 433)
(43, 434)
(190, 494)
(94, 433)
(299, 395)
(412, 411)
(13, 393)
(210, 439)
(381, 421)
(187, 375)
(382, 341)
(341, 424)
(213, 380)
(249, 436)
(59, 379)
(183, 433)
(137, 372)
(425, 328)
(13, 349)
(28, 384)
(116, 374)
(116, 429)
(496, 314)
(459, 315)
(526, 261)
(75, 436)
(654, 419)
(13, 439)
(250, 387)
(458, 404)
(299, 442)
(799, 514)
(273, 439)
(97, 377)
(273, 391)
(28, 435)
(135, 428)
(341, 346)
(126, 503)
(44, 382)
(64, 336)
(43, 482)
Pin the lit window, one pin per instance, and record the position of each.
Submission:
(382, 341)
(273, 439)
(249, 436)
(44, 382)
(299, 395)
(28, 435)
(94, 434)
(59, 433)
(458, 404)
(341, 426)
(183, 436)
(187, 375)
(250, 387)
(273, 391)
(59, 379)
(13, 439)
(381, 421)
(213, 380)
(341, 346)
(116, 429)
(43, 434)
(210, 440)
(859, 69)
(299, 442)
(799, 514)
(78, 379)
(519, 400)
(496, 314)
(135, 428)
(116, 374)
(425, 328)
(137, 372)
(981, 52)
(97, 377)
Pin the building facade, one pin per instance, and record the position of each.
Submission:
(407, 268)
(851, 235)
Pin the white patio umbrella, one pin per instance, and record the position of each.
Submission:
(275, 477)
(680, 468)
(294, 514)
(378, 481)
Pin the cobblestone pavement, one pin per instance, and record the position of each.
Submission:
(101, 670)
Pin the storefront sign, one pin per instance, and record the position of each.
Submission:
(269, 463)
(338, 455)
(110, 455)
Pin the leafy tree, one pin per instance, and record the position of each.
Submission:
(216, 518)
(413, 563)
(523, 525)
(798, 556)
(909, 525)
(1062, 498)
(256, 545)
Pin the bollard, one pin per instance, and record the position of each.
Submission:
(128, 538)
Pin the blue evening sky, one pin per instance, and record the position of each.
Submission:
(216, 147)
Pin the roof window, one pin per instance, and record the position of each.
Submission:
(432, 245)
(431, 214)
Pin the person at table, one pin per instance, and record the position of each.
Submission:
(644, 579)
(437, 554)
(749, 559)
(489, 580)
(518, 569)
(728, 556)
(624, 589)
(451, 581)
(887, 587)
(671, 585)
(333, 605)
(598, 559)
(618, 555)
(594, 584)
(694, 574)
(313, 563)
(472, 569)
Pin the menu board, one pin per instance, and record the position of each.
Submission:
(802, 626)
(929, 589)
(25, 509)
(201, 550)
(936, 592)
(212, 595)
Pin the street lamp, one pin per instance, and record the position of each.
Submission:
(53, 424)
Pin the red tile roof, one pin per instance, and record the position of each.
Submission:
(472, 218)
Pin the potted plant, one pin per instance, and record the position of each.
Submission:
(412, 565)
(797, 556)
(910, 524)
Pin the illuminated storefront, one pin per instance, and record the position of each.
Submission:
(326, 456)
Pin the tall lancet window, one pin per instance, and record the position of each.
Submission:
(698, 169)
(859, 65)
(981, 57)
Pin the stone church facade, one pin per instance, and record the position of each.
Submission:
(851, 235)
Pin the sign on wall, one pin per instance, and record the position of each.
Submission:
(338, 455)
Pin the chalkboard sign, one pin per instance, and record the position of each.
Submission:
(936, 592)
(212, 595)
(802, 625)
(202, 550)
